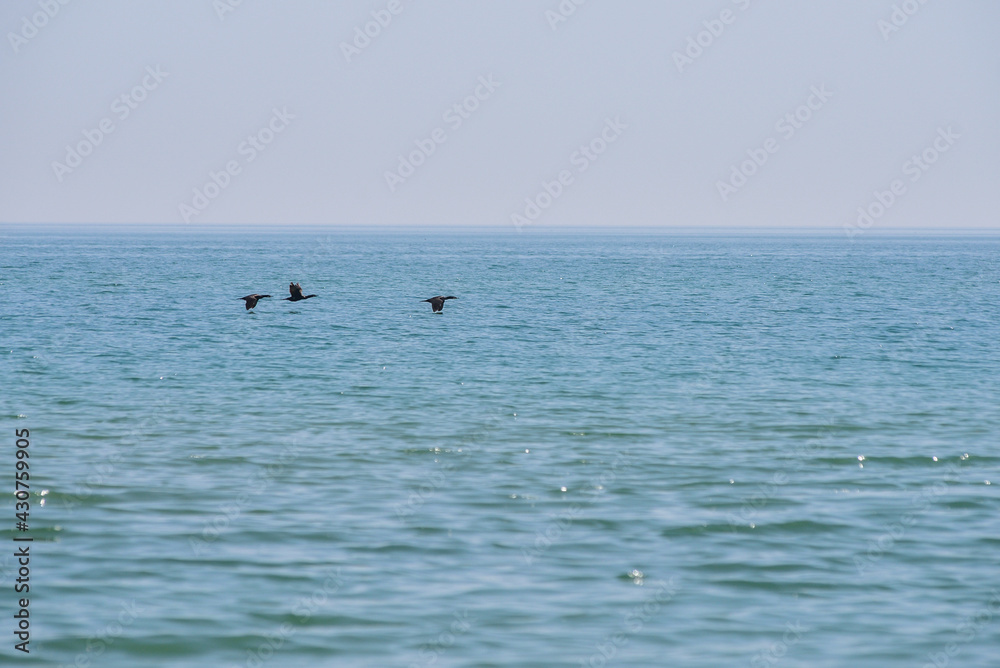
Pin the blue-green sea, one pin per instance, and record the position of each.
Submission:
(613, 449)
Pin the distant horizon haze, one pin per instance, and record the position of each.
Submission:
(856, 117)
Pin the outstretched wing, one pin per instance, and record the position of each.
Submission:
(251, 300)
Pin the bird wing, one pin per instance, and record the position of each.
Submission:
(251, 301)
(295, 290)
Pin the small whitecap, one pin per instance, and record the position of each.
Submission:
(527, 451)
(987, 482)
(861, 458)
(964, 457)
(934, 458)
(562, 489)
(731, 481)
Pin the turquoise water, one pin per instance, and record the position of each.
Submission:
(621, 450)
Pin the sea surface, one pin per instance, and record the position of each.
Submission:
(613, 449)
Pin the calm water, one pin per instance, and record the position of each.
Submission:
(632, 450)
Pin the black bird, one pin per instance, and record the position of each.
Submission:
(437, 303)
(251, 300)
(296, 291)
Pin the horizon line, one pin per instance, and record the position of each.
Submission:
(6, 226)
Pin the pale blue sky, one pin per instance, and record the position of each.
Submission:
(277, 70)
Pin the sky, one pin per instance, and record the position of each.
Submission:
(853, 115)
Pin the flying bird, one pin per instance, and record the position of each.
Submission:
(437, 303)
(251, 300)
(296, 291)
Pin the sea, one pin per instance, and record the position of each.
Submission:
(614, 448)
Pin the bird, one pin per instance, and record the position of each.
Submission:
(296, 291)
(437, 303)
(251, 300)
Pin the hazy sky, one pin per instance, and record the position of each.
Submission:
(614, 113)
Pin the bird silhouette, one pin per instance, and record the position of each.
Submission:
(437, 303)
(251, 300)
(296, 291)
